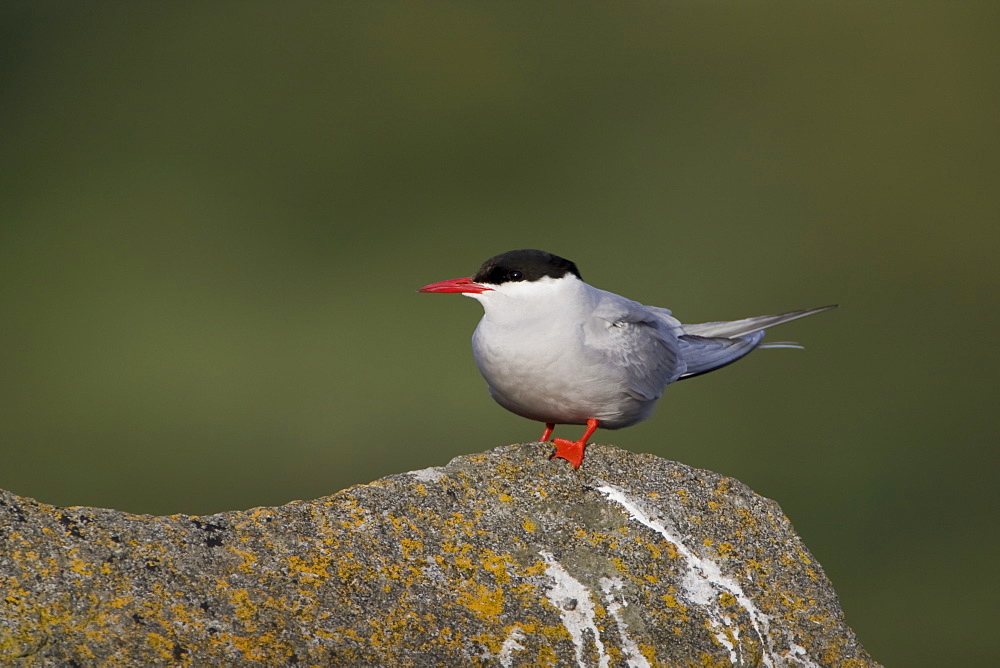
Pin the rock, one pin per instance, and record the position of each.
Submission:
(502, 558)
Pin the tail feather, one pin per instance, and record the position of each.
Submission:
(732, 328)
(712, 345)
(703, 354)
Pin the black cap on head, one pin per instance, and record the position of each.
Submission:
(523, 265)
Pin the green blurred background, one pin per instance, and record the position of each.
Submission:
(214, 218)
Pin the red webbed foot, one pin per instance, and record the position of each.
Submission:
(572, 451)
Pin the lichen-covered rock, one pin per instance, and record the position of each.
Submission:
(504, 558)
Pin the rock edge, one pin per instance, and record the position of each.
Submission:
(499, 558)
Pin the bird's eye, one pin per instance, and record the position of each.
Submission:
(514, 275)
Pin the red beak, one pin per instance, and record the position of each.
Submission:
(456, 285)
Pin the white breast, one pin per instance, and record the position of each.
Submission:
(543, 372)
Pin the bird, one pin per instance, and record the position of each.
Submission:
(554, 349)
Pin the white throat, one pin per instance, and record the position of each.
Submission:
(546, 297)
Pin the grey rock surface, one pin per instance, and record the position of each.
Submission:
(500, 558)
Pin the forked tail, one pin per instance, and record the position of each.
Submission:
(712, 345)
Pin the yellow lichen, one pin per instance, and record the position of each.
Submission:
(410, 547)
(497, 565)
(249, 560)
(485, 602)
(725, 549)
(244, 608)
(160, 644)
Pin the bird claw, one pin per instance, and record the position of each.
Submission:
(571, 451)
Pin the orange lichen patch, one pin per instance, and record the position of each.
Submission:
(537, 568)
(347, 567)
(528, 526)
(249, 559)
(243, 607)
(452, 547)
(78, 565)
(357, 516)
(401, 626)
(258, 514)
(725, 550)
(556, 633)
(160, 645)
(312, 567)
(484, 601)
(458, 524)
(401, 522)
(757, 566)
(186, 616)
(85, 651)
(151, 606)
(649, 653)
(411, 548)
(546, 657)
(709, 661)
(120, 601)
(494, 641)
(264, 648)
(747, 518)
(497, 565)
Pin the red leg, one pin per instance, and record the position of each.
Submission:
(572, 451)
(548, 432)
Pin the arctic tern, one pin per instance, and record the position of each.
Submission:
(554, 349)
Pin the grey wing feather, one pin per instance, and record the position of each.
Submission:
(639, 340)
